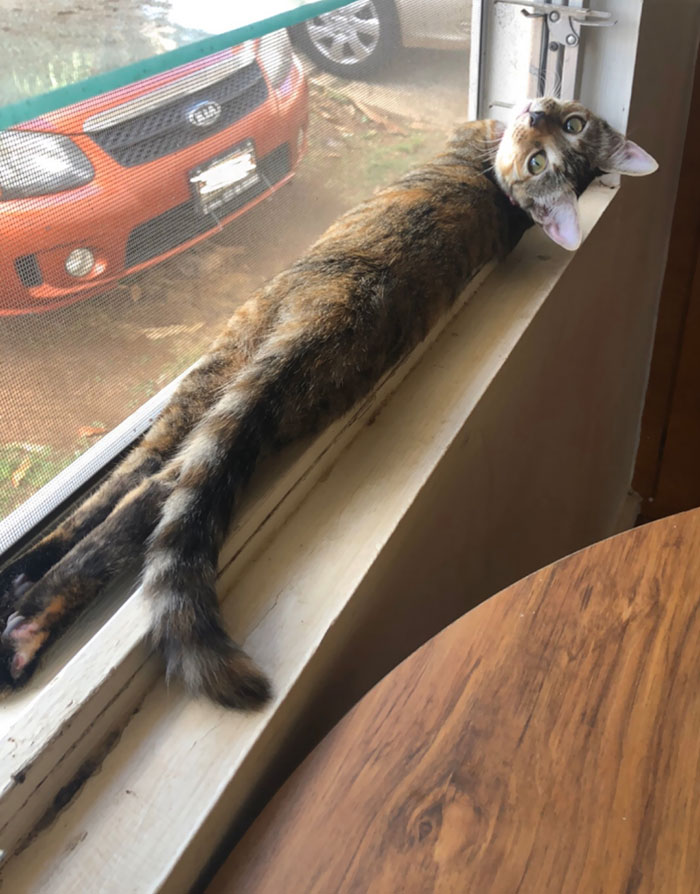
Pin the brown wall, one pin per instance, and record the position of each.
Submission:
(668, 464)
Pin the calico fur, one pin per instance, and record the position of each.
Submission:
(301, 351)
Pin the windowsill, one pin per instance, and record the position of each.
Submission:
(317, 520)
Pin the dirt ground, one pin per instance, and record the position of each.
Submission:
(70, 375)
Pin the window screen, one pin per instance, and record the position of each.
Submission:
(158, 162)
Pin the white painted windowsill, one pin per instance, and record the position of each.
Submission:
(315, 523)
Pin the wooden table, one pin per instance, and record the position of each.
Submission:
(548, 741)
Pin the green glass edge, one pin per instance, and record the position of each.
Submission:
(34, 106)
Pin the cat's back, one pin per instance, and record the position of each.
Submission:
(423, 210)
(409, 247)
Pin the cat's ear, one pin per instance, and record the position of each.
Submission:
(560, 221)
(630, 159)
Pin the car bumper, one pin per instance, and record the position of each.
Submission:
(131, 218)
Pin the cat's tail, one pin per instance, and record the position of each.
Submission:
(217, 460)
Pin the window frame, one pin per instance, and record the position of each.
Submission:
(51, 745)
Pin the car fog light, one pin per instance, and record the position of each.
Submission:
(80, 262)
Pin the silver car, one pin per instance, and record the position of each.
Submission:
(356, 39)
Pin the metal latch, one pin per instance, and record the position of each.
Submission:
(562, 20)
(557, 74)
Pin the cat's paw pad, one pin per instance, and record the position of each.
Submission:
(22, 639)
(15, 589)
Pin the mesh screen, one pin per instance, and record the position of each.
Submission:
(134, 222)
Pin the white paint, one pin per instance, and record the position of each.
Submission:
(509, 46)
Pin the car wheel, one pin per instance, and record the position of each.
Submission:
(352, 41)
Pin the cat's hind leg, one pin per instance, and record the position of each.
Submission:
(73, 547)
(192, 398)
(43, 609)
(197, 391)
(20, 575)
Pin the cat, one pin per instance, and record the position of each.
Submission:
(548, 149)
(302, 350)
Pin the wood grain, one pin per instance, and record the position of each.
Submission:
(545, 742)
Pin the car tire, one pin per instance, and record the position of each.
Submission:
(371, 29)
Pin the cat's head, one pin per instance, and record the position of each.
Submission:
(550, 153)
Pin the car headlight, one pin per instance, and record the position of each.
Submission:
(275, 54)
(37, 164)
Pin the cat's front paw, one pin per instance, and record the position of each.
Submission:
(36, 616)
(17, 578)
(21, 643)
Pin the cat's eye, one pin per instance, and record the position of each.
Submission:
(575, 124)
(537, 163)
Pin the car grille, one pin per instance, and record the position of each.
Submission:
(166, 129)
(184, 222)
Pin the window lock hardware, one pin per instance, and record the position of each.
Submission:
(562, 20)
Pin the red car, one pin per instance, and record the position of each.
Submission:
(116, 183)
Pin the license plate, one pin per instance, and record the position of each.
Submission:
(224, 179)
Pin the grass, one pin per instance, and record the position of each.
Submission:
(24, 468)
(386, 161)
(375, 160)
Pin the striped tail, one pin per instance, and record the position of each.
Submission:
(217, 459)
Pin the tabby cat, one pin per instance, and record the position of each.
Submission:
(303, 349)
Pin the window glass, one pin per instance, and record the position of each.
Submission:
(135, 220)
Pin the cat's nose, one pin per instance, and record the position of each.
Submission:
(535, 118)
